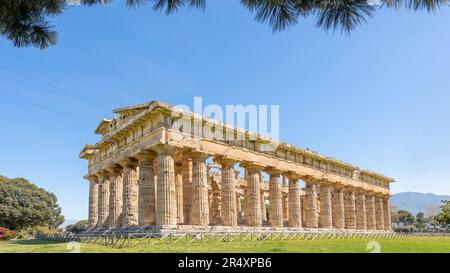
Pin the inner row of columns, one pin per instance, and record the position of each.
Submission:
(151, 189)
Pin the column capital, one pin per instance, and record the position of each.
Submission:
(114, 169)
(325, 183)
(146, 155)
(195, 155)
(92, 178)
(225, 161)
(129, 162)
(165, 149)
(252, 166)
(273, 172)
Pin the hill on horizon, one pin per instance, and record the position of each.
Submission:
(416, 202)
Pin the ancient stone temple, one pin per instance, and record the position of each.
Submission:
(155, 170)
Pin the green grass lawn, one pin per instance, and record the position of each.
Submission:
(399, 245)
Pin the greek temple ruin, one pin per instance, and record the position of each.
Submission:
(151, 171)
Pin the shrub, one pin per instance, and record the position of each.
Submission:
(6, 234)
(405, 229)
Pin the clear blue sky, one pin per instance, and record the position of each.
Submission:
(378, 98)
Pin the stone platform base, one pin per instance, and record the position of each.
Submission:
(220, 229)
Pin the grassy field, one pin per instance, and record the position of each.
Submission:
(402, 245)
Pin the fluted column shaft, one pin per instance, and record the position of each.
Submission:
(295, 206)
(338, 208)
(387, 214)
(371, 212)
(115, 198)
(253, 202)
(187, 189)
(93, 202)
(238, 207)
(311, 217)
(229, 214)
(285, 204)
(379, 212)
(326, 213)
(179, 193)
(166, 207)
(104, 201)
(200, 195)
(275, 201)
(147, 212)
(361, 213)
(350, 209)
(130, 196)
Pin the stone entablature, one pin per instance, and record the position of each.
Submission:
(144, 129)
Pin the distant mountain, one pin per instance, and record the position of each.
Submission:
(416, 202)
(68, 222)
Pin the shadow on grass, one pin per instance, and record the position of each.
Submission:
(34, 242)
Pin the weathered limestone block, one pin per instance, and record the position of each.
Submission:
(350, 209)
(371, 212)
(276, 218)
(326, 213)
(200, 204)
(387, 214)
(229, 203)
(115, 198)
(312, 219)
(104, 201)
(93, 201)
(166, 204)
(187, 189)
(361, 213)
(253, 198)
(130, 195)
(295, 206)
(379, 212)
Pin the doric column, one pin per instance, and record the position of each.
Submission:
(229, 213)
(295, 206)
(361, 214)
(312, 219)
(275, 200)
(326, 208)
(263, 205)
(166, 205)
(147, 212)
(350, 209)
(387, 214)
(285, 204)
(103, 200)
(371, 212)
(179, 192)
(253, 198)
(115, 196)
(338, 208)
(200, 204)
(93, 201)
(238, 207)
(379, 212)
(130, 193)
(187, 189)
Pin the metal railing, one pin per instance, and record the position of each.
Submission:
(133, 239)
